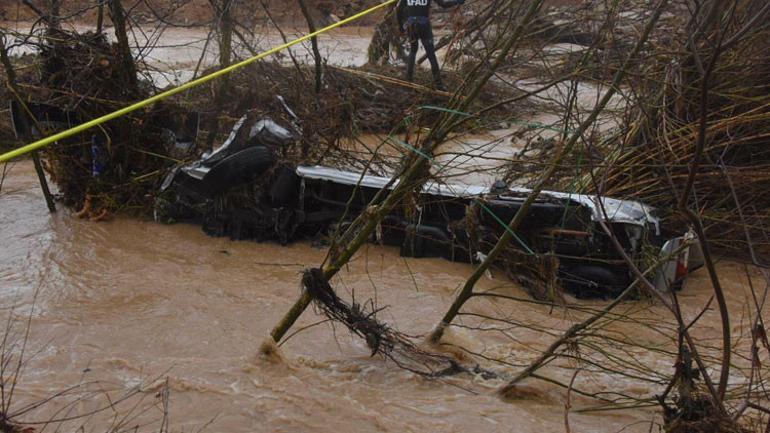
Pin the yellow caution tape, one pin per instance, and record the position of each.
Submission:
(151, 100)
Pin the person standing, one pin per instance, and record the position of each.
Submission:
(414, 19)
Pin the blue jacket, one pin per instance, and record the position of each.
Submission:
(407, 9)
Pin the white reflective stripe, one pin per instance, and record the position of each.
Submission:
(618, 211)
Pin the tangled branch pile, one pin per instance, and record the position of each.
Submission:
(699, 414)
(354, 101)
(119, 166)
(381, 338)
(719, 73)
(85, 77)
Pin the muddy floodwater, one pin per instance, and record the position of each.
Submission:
(129, 303)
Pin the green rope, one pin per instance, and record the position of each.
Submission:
(441, 168)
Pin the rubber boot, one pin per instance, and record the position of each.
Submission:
(410, 63)
(438, 83)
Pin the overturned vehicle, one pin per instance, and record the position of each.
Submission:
(241, 190)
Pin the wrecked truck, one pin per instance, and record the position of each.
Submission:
(243, 190)
(285, 203)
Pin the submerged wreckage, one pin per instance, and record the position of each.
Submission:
(456, 222)
(244, 190)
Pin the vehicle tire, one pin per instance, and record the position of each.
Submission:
(425, 241)
(237, 169)
(606, 282)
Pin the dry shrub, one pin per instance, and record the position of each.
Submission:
(653, 162)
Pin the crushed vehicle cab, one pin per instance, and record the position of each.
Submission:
(456, 222)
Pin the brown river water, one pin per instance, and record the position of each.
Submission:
(129, 303)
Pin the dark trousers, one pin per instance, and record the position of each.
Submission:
(421, 32)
